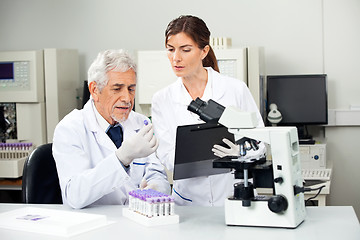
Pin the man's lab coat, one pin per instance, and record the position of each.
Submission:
(89, 171)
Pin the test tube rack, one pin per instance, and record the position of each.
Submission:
(151, 208)
(13, 157)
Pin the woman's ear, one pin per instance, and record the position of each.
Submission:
(205, 52)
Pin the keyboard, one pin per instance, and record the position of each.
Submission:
(316, 174)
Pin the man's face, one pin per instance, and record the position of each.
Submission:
(116, 99)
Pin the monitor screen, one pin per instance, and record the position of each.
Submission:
(301, 99)
(6, 71)
(86, 93)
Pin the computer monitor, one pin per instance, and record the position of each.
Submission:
(301, 99)
(86, 93)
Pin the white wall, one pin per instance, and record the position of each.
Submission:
(341, 63)
(290, 31)
(308, 36)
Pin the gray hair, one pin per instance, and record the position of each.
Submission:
(106, 61)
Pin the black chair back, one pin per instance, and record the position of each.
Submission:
(40, 182)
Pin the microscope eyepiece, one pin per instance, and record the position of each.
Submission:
(209, 111)
(196, 106)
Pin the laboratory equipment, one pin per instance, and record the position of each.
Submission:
(316, 174)
(301, 99)
(42, 84)
(274, 116)
(12, 158)
(37, 89)
(151, 208)
(209, 111)
(313, 156)
(3, 123)
(285, 207)
(220, 42)
(313, 162)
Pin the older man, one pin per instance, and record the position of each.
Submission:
(106, 150)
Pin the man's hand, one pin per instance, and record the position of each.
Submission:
(140, 145)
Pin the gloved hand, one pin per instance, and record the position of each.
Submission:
(220, 151)
(144, 185)
(140, 145)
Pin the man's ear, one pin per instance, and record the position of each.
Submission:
(94, 91)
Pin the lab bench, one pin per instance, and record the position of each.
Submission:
(330, 222)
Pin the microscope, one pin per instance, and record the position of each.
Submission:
(285, 208)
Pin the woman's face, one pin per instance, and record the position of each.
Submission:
(184, 55)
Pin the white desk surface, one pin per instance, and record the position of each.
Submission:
(206, 223)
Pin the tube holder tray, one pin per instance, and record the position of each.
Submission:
(149, 222)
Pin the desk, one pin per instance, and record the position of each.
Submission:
(206, 223)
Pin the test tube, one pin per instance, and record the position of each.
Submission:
(141, 205)
(149, 207)
(151, 203)
(166, 206)
(131, 200)
(161, 206)
(172, 205)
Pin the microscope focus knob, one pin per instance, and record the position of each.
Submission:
(277, 203)
(279, 180)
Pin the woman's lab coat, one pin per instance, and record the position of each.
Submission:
(169, 110)
(89, 171)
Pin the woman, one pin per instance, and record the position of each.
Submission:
(194, 63)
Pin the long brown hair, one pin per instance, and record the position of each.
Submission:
(197, 30)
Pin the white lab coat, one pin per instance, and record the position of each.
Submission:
(169, 110)
(89, 171)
